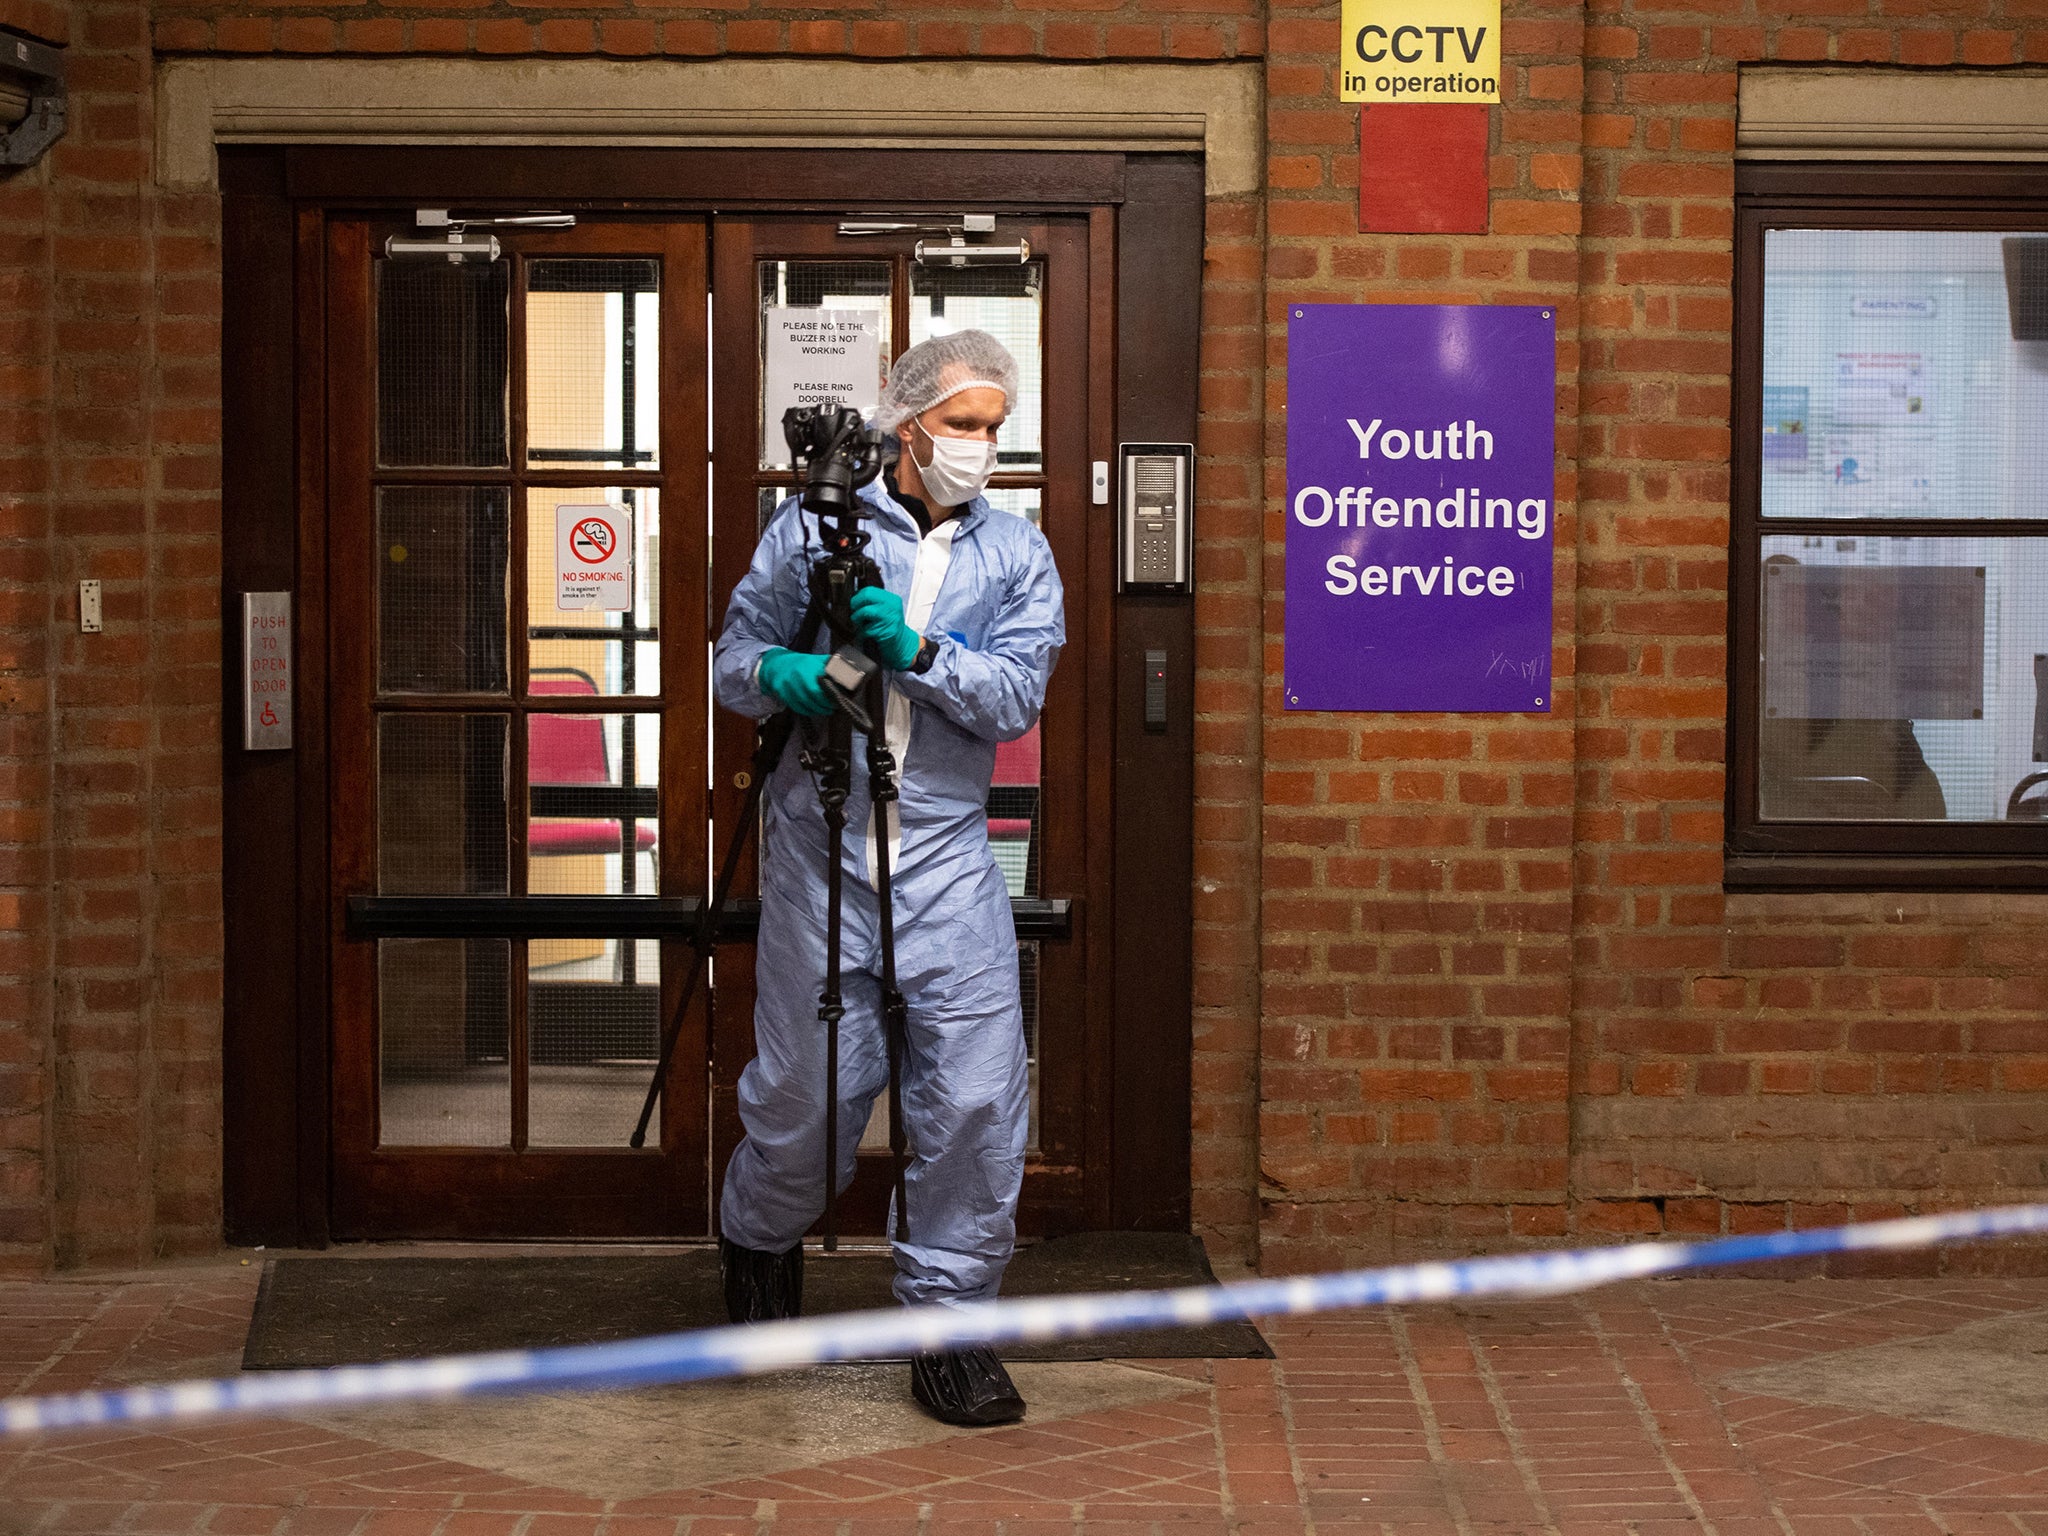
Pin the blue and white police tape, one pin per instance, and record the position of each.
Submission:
(749, 1351)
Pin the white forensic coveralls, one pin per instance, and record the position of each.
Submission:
(983, 588)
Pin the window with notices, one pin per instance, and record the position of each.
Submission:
(1889, 677)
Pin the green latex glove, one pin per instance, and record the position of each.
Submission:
(878, 614)
(795, 682)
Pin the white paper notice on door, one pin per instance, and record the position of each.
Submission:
(594, 558)
(811, 356)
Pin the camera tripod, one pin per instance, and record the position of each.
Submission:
(840, 455)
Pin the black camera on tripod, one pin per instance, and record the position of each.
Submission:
(837, 453)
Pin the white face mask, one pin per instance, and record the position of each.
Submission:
(959, 469)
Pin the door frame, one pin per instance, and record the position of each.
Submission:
(276, 848)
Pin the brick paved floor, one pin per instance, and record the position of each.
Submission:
(1624, 1411)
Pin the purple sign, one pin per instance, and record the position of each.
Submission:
(1420, 452)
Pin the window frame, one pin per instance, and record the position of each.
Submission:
(1850, 855)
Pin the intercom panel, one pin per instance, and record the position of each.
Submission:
(1156, 512)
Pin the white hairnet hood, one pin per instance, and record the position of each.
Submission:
(937, 370)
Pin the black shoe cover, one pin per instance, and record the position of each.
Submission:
(965, 1386)
(760, 1286)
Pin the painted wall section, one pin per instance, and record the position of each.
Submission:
(1423, 169)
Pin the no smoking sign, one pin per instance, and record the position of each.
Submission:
(594, 558)
(592, 540)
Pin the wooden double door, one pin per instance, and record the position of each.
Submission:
(525, 483)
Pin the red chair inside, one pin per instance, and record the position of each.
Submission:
(570, 749)
(1017, 768)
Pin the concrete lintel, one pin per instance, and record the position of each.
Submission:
(1216, 109)
(1883, 113)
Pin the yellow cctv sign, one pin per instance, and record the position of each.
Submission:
(1421, 50)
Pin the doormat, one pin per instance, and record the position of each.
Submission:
(352, 1311)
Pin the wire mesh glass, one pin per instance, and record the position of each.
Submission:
(441, 554)
(1007, 302)
(1903, 678)
(1904, 373)
(766, 500)
(1025, 501)
(441, 820)
(824, 335)
(444, 1076)
(593, 356)
(443, 338)
(594, 804)
(592, 651)
(1014, 832)
(593, 1020)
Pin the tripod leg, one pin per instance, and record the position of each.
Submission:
(770, 741)
(895, 1011)
(768, 749)
(895, 1026)
(831, 1006)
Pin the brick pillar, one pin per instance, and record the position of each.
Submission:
(136, 755)
(1227, 656)
(1418, 868)
(27, 951)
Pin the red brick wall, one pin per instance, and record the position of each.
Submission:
(1746, 1061)
(47, 21)
(109, 470)
(1228, 658)
(1418, 892)
(1504, 994)
(1460, 980)
(26, 937)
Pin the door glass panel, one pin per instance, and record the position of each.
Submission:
(594, 804)
(594, 1026)
(821, 321)
(592, 651)
(1014, 834)
(1025, 501)
(766, 500)
(442, 346)
(443, 1043)
(1005, 302)
(441, 822)
(592, 363)
(441, 567)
